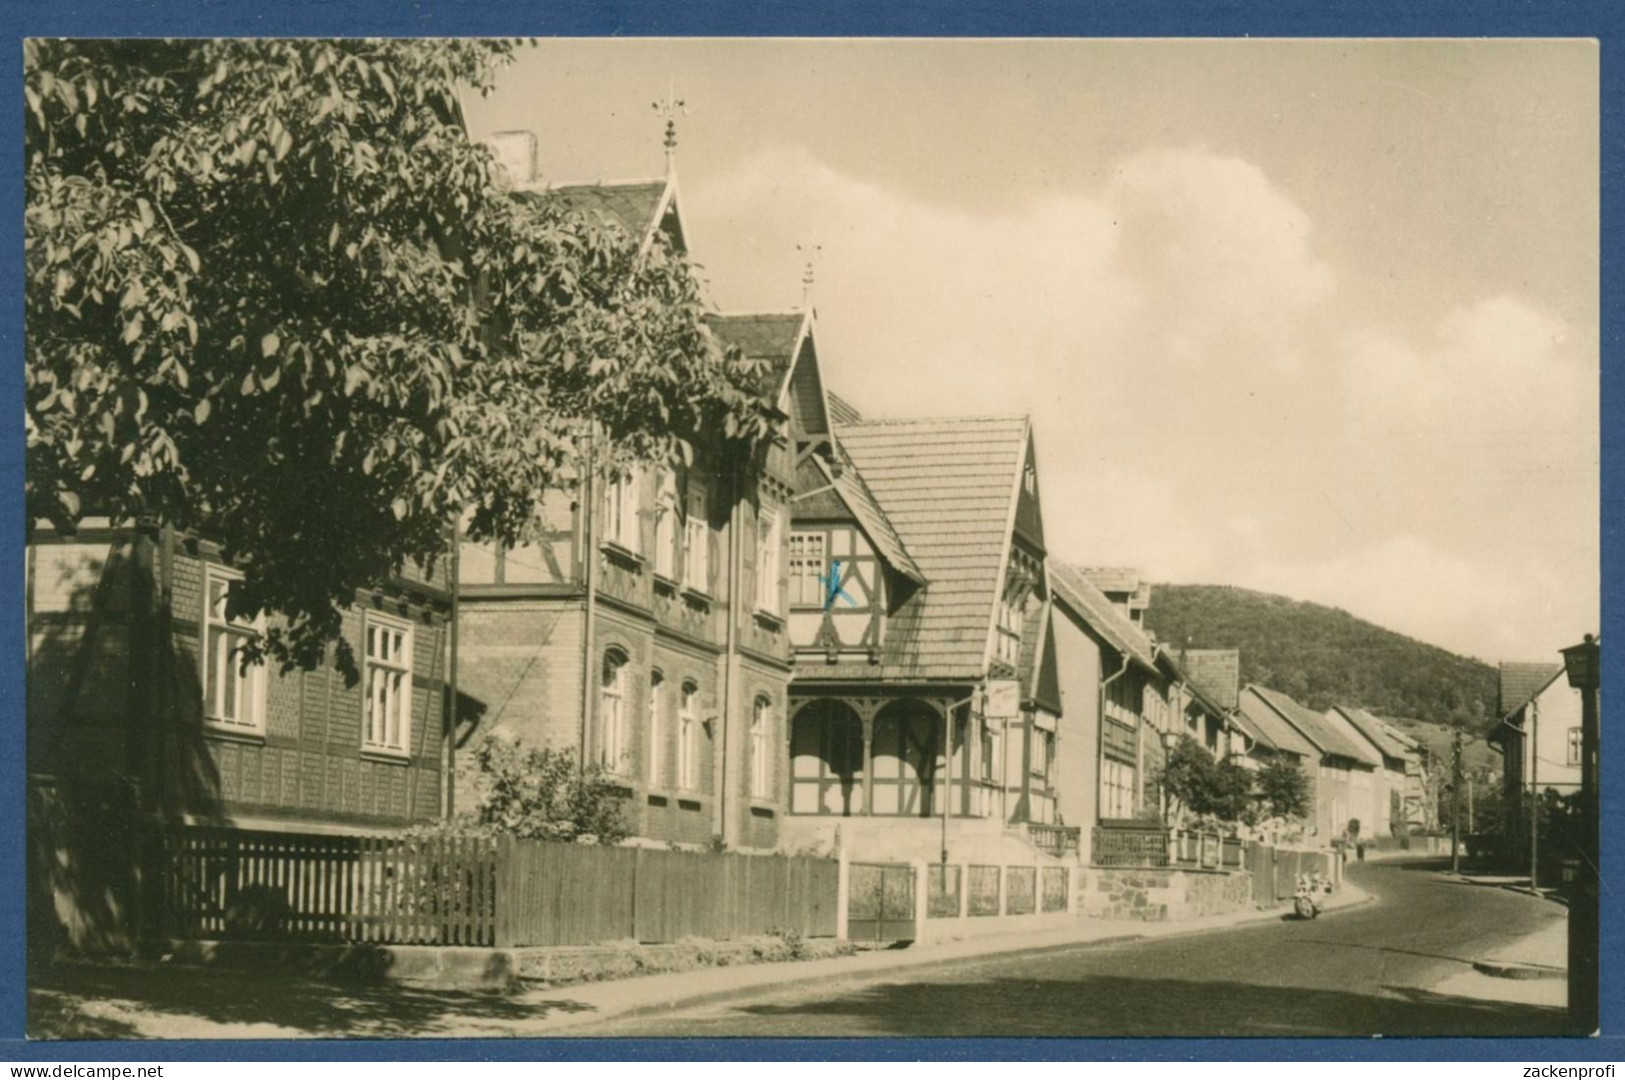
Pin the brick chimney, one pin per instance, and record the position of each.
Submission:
(516, 153)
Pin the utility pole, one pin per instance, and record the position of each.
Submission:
(1534, 796)
(1455, 804)
(1471, 827)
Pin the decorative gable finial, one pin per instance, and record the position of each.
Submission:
(670, 107)
(808, 271)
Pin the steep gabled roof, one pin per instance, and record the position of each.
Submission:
(1215, 673)
(1316, 728)
(860, 501)
(1521, 683)
(1266, 725)
(948, 489)
(1373, 729)
(771, 338)
(638, 206)
(1408, 741)
(1076, 592)
(842, 411)
(1109, 579)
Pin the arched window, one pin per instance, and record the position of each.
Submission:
(688, 738)
(613, 752)
(657, 731)
(761, 749)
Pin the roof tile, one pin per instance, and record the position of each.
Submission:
(930, 479)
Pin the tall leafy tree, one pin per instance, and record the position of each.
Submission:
(1283, 789)
(276, 297)
(1193, 782)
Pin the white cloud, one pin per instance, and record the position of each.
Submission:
(1221, 256)
(1202, 409)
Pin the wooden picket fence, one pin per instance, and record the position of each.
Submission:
(243, 884)
(239, 884)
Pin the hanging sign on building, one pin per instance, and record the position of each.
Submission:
(1003, 699)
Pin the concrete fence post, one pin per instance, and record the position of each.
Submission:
(922, 894)
(843, 883)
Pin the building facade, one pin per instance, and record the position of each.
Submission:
(133, 670)
(924, 719)
(1539, 739)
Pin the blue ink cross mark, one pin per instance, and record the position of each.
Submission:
(832, 586)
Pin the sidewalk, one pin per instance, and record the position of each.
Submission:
(1531, 971)
(164, 1002)
(661, 993)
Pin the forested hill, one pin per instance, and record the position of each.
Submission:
(1324, 656)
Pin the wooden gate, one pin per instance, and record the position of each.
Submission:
(880, 902)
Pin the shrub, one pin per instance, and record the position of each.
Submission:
(539, 794)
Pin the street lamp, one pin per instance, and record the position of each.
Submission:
(1583, 663)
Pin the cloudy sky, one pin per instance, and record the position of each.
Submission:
(1318, 318)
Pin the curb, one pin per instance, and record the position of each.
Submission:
(1499, 970)
(712, 997)
(797, 982)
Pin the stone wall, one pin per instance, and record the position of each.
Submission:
(1163, 895)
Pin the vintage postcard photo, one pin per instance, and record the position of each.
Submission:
(771, 537)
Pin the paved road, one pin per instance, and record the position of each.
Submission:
(1364, 971)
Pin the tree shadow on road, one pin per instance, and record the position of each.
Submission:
(1151, 1007)
(193, 1002)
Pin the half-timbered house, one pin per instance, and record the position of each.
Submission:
(923, 716)
(645, 627)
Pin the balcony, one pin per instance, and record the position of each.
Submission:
(1056, 840)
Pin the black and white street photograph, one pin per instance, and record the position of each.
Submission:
(811, 537)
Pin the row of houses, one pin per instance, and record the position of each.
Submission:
(1539, 736)
(857, 640)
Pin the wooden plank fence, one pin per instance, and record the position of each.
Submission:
(238, 884)
(245, 884)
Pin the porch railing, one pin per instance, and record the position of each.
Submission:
(1057, 840)
(1129, 843)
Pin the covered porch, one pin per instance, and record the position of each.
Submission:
(896, 756)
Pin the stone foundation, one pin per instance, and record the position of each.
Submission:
(1163, 895)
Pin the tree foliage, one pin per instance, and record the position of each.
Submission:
(1282, 789)
(277, 298)
(1193, 782)
(1324, 656)
(539, 794)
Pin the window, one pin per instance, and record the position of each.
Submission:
(688, 738)
(1574, 746)
(667, 509)
(761, 749)
(612, 748)
(1029, 480)
(657, 730)
(233, 699)
(1011, 610)
(1043, 753)
(621, 512)
(388, 727)
(806, 569)
(1116, 789)
(989, 748)
(767, 561)
(697, 541)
